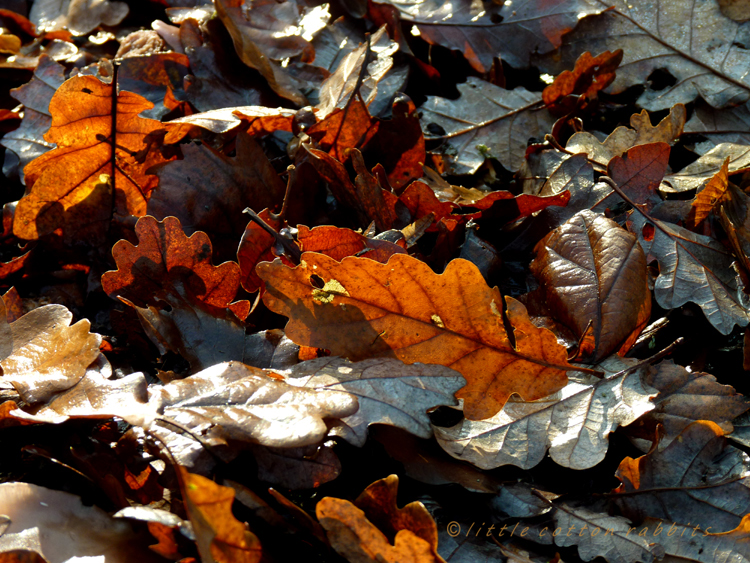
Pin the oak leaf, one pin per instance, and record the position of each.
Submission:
(48, 355)
(485, 121)
(483, 31)
(709, 196)
(640, 132)
(339, 243)
(593, 278)
(693, 268)
(96, 171)
(573, 423)
(220, 537)
(246, 180)
(685, 397)
(697, 479)
(27, 142)
(696, 174)
(78, 17)
(704, 62)
(388, 392)
(404, 310)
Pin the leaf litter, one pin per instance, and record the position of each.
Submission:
(450, 269)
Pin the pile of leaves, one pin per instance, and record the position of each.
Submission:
(375, 281)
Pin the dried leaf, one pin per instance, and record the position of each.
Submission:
(696, 174)
(705, 61)
(79, 17)
(602, 535)
(59, 527)
(685, 397)
(573, 423)
(219, 535)
(709, 196)
(693, 268)
(49, 356)
(592, 275)
(485, 120)
(483, 31)
(297, 468)
(262, 120)
(729, 125)
(388, 391)
(640, 132)
(703, 546)
(261, 37)
(27, 142)
(83, 204)
(698, 479)
(339, 243)
(639, 173)
(402, 309)
(246, 180)
(587, 79)
(355, 537)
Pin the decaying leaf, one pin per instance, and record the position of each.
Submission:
(404, 310)
(247, 180)
(709, 196)
(601, 535)
(698, 479)
(218, 534)
(94, 173)
(485, 121)
(592, 274)
(169, 267)
(693, 268)
(696, 174)
(27, 142)
(49, 355)
(59, 527)
(483, 31)
(685, 397)
(388, 391)
(706, 61)
(79, 17)
(573, 424)
(623, 138)
(356, 530)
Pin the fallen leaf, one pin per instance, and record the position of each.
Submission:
(261, 37)
(388, 392)
(339, 243)
(27, 142)
(719, 126)
(697, 479)
(638, 173)
(587, 79)
(58, 526)
(481, 32)
(685, 397)
(709, 196)
(602, 535)
(220, 537)
(356, 538)
(693, 268)
(706, 61)
(100, 180)
(461, 328)
(592, 276)
(697, 173)
(261, 120)
(573, 424)
(519, 500)
(246, 180)
(256, 245)
(485, 121)
(640, 132)
(703, 546)
(79, 17)
(297, 468)
(344, 129)
(337, 89)
(49, 355)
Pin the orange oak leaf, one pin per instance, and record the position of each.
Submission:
(98, 168)
(339, 243)
(360, 531)
(588, 78)
(709, 196)
(167, 263)
(256, 245)
(359, 308)
(219, 535)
